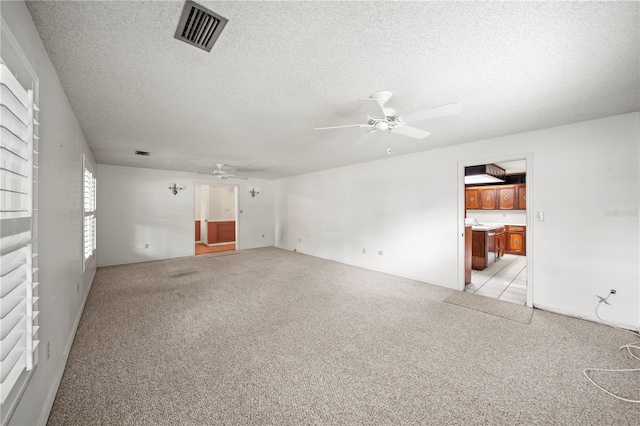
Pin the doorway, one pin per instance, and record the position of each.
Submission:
(496, 256)
(215, 218)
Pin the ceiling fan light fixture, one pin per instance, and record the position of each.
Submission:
(382, 126)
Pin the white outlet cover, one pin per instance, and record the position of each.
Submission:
(539, 216)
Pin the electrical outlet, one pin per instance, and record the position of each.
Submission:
(77, 287)
(299, 239)
(364, 250)
(146, 245)
(47, 350)
(612, 291)
(262, 235)
(380, 252)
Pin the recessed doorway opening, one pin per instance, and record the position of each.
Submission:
(215, 218)
(496, 217)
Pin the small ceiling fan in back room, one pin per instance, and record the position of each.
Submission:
(381, 119)
(221, 174)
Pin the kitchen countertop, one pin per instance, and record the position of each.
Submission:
(487, 226)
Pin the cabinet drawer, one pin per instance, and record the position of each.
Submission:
(513, 228)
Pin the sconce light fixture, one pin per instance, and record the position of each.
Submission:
(174, 188)
(254, 191)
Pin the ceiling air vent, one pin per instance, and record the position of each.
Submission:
(145, 153)
(199, 26)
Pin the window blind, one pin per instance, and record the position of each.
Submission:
(89, 226)
(18, 258)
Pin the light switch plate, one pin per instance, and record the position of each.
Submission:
(539, 216)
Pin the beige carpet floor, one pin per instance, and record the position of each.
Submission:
(268, 336)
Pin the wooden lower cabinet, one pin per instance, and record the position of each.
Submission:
(468, 233)
(516, 240)
(221, 232)
(197, 230)
(500, 243)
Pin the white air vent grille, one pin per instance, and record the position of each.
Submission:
(199, 27)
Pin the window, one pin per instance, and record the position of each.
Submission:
(18, 230)
(89, 224)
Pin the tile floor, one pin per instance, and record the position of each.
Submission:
(506, 279)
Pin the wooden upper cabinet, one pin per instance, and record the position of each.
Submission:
(521, 191)
(471, 197)
(506, 197)
(487, 198)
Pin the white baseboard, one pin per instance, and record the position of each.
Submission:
(48, 404)
(586, 318)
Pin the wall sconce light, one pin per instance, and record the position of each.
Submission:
(254, 191)
(174, 188)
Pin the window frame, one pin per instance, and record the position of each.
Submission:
(89, 209)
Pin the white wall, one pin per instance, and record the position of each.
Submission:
(135, 208)
(410, 212)
(222, 203)
(60, 229)
(508, 217)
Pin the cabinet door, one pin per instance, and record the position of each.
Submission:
(522, 197)
(471, 202)
(488, 198)
(515, 243)
(506, 197)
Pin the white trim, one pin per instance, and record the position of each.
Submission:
(528, 157)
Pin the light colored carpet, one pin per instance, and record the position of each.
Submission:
(507, 310)
(268, 336)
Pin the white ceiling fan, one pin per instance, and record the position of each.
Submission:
(381, 119)
(221, 174)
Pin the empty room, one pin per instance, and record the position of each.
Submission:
(319, 212)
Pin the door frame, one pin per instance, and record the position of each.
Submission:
(237, 216)
(528, 157)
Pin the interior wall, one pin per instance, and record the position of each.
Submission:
(585, 177)
(63, 286)
(507, 217)
(136, 208)
(222, 203)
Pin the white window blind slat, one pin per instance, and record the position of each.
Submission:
(12, 299)
(10, 340)
(8, 98)
(13, 318)
(13, 124)
(13, 259)
(11, 144)
(12, 280)
(8, 79)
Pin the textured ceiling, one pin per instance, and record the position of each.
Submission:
(279, 69)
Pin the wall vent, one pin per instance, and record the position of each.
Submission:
(199, 26)
(145, 153)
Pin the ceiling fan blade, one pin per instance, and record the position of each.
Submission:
(439, 111)
(412, 132)
(362, 139)
(372, 107)
(341, 127)
(232, 176)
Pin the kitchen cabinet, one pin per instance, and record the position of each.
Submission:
(471, 199)
(515, 238)
(521, 204)
(221, 232)
(500, 243)
(467, 253)
(487, 198)
(496, 197)
(506, 197)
